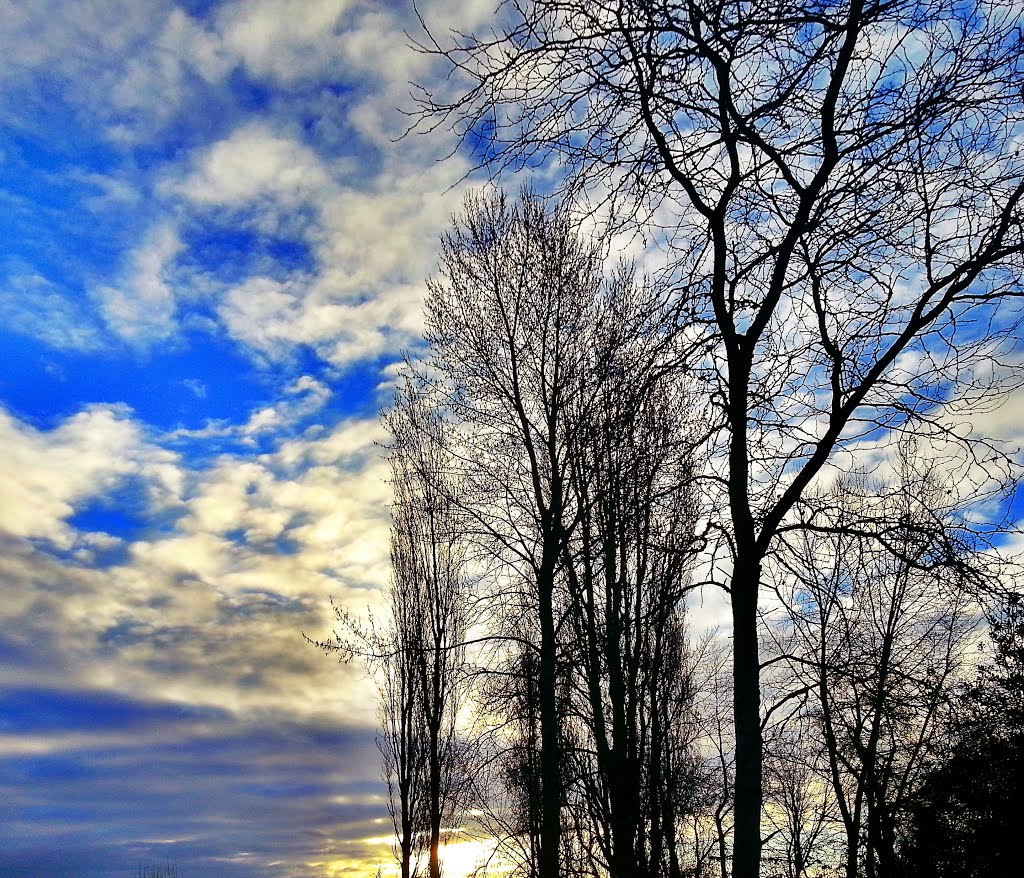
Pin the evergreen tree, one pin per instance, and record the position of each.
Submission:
(966, 820)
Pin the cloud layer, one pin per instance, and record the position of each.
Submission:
(215, 245)
(215, 251)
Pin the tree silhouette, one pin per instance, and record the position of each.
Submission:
(574, 453)
(420, 653)
(964, 819)
(430, 609)
(839, 187)
(879, 635)
(628, 571)
(507, 320)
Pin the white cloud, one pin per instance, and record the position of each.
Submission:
(304, 397)
(156, 82)
(370, 216)
(47, 33)
(123, 65)
(211, 610)
(255, 163)
(33, 305)
(216, 600)
(140, 309)
(372, 237)
(317, 393)
(272, 318)
(372, 244)
(48, 475)
(186, 40)
(284, 39)
(196, 387)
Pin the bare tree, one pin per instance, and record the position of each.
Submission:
(398, 652)
(801, 811)
(430, 604)
(712, 829)
(576, 460)
(519, 826)
(627, 573)
(881, 635)
(507, 323)
(420, 654)
(840, 189)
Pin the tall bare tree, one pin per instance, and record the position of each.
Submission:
(627, 573)
(398, 654)
(431, 598)
(840, 187)
(507, 322)
(420, 653)
(881, 622)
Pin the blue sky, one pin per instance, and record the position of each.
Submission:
(213, 253)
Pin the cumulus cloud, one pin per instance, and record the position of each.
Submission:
(47, 475)
(284, 39)
(273, 318)
(141, 308)
(369, 217)
(255, 163)
(208, 609)
(371, 245)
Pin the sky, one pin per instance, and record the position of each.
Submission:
(213, 252)
(213, 248)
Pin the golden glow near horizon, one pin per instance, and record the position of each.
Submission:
(460, 858)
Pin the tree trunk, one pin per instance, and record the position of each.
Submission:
(746, 857)
(434, 865)
(551, 799)
(623, 776)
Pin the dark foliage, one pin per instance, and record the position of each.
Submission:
(966, 820)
